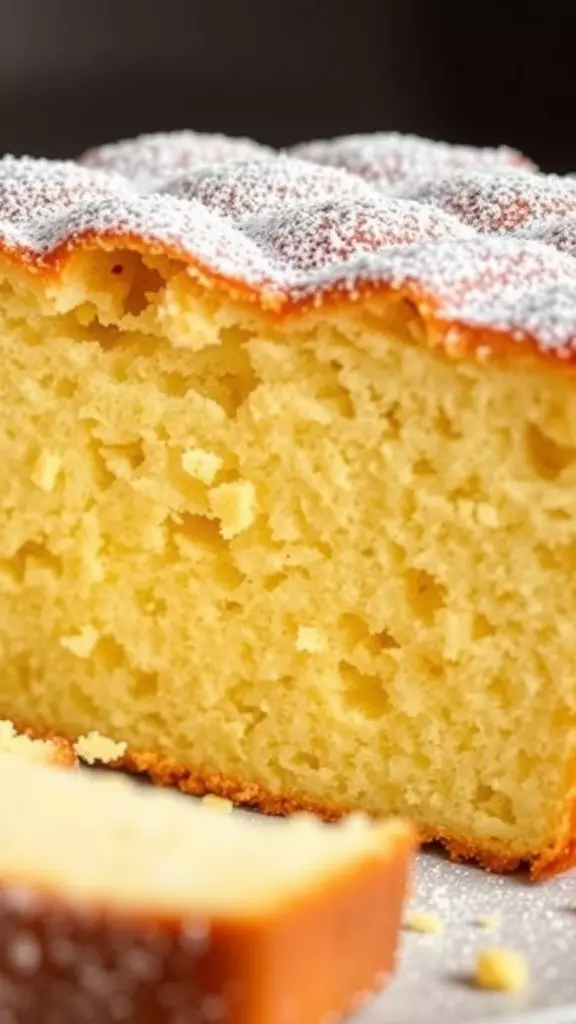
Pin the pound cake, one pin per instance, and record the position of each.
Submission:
(123, 903)
(288, 502)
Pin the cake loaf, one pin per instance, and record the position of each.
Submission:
(288, 498)
(123, 903)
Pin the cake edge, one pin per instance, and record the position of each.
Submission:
(194, 961)
(447, 334)
(492, 855)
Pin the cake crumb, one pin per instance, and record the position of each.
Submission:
(487, 921)
(45, 471)
(501, 969)
(310, 640)
(55, 752)
(95, 748)
(426, 922)
(234, 504)
(217, 803)
(486, 514)
(200, 464)
(83, 643)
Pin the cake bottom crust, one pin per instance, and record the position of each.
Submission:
(491, 854)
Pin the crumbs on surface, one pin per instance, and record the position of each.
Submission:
(15, 744)
(97, 749)
(501, 969)
(426, 922)
(217, 803)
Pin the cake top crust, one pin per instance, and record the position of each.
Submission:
(480, 242)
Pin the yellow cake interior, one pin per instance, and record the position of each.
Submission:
(313, 555)
(122, 845)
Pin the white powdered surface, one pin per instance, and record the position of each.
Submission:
(483, 244)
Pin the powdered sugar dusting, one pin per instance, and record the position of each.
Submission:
(69, 962)
(498, 284)
(166, 223)
(251, 187)
(559, 232)
(395, 162)
(150, 161)
(35, 189)
(502, 203)
(491, 283)
(488, 249)
(310, 239)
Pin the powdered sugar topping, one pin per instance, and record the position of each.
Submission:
(246, 188)
(150, 161)
(476, 249)
(321, 236)
(398, 163)
(559, 232)
(37, 191)
(502, 202)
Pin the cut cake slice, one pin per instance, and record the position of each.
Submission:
(123, 903)
(288, 502)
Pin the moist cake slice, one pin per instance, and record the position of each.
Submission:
(123, 903)
(288, 502)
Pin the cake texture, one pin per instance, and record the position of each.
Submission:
(123, 903)
(288, 503)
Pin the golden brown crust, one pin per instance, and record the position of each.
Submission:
(562, 855)
(64, 754)
(61, 753)
(489, 853)
(473, 252)
(85, 958)
(149, 967)
(454, 337)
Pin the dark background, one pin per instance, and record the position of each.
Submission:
(78, 72)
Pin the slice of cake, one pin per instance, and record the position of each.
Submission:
(288, 502)
(123, 903)
(48, 752)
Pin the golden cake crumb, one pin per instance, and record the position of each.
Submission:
(426, 922)
(200, 464)
(310, 640)
(94, 748)
(45, 471)
(501, 969)
(83, 643)
(487, 921)
(217, 803)
(487, 515)
(234, 504)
